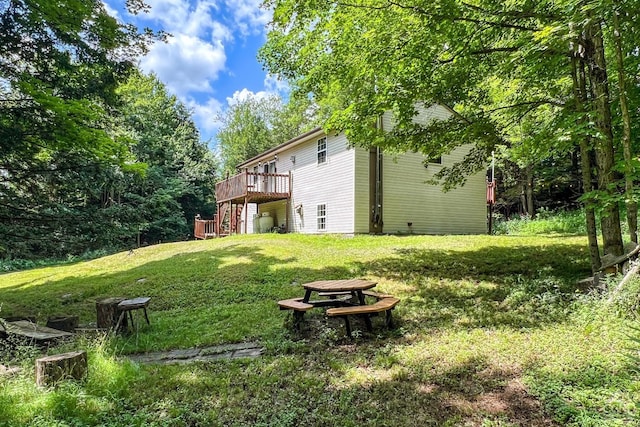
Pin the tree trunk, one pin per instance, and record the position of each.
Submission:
(580, 93)
(528, 191)
(610, 221)
(51, 369)
(632, 206)
(107, 313)
(63, 323)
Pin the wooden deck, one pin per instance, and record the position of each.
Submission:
(254, 187)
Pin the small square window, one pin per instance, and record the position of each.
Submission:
(322, 150)
(322, 217)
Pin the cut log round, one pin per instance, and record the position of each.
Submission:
(51, 369)
(108, 313)
(63, 323)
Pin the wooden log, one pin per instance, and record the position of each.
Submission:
(63, 323)
(108, 313)
(52, 369)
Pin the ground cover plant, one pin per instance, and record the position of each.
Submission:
(491, 331)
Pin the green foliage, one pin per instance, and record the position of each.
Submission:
(253, 125)
(546, 222)
(71, 203)
(59, 73)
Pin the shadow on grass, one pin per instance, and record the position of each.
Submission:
(342, 388)
(229, 293)
(494, 286)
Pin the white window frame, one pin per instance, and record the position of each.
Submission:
(321, 217)
(322, 151)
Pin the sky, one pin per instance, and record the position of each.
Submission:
(209, 61)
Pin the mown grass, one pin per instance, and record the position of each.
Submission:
(491, 331)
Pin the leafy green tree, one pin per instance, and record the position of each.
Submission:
(532, 77)
(60, 63)
(255, 124)
(180, 175)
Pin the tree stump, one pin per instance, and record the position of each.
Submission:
(51, 369)
(108, 313)
(63, 323)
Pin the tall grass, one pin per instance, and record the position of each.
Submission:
(546, 222)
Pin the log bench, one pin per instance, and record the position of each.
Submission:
(385, 304)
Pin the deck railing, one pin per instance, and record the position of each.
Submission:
(253, 184)
(204, 228)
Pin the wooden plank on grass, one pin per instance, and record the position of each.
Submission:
(26, 329)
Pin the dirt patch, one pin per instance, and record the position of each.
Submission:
(499, 395)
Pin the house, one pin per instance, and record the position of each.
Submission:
(317, 183)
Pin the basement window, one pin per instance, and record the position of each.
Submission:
(322, 217)
(322, 150)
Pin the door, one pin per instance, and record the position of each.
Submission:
(270, 179)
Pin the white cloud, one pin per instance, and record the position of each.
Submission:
(244, 94)
(275, 85)
(180, 16)
(205, 114)
(186, 63)
(249, 15)
(111, 11)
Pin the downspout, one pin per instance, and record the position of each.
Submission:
(377, 209)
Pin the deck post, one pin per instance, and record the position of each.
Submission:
(286, 215)
(246, 214)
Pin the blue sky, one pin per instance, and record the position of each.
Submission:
(210, 60)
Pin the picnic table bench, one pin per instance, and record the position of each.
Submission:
(345, 297)
(385, 304)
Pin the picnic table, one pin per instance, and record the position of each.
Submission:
(330, 288)
(346, 297)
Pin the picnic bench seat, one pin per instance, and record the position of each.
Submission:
(385, 304)
(295, 304)
(298, 307)
(377, 295)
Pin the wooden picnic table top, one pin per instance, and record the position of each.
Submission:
(339, 285)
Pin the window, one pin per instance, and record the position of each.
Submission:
(432, 161)
(322, 217)
(322, 150)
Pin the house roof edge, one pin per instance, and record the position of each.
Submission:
(290, 143)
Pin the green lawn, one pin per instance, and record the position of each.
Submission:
(491, 331)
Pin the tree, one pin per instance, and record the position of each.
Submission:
(503, 66)
(58, 74)
(181, 170)
(255, 124)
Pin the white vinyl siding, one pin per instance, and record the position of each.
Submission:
(362, 209)
(341, 183)
(331, 183)
(407, 198)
